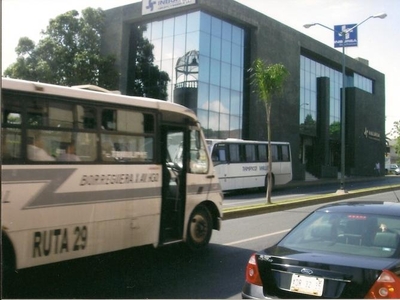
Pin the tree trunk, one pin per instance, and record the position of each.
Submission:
(269, 175)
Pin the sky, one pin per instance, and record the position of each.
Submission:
(379, 39)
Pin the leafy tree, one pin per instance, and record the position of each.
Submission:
(396, 134)
(334, 130)
(308, 127)
(68, 53)
(145, 79)
(269, 81)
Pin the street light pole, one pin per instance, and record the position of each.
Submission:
(343, 33)
(343, 121)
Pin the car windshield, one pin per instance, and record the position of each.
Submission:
(346, 233)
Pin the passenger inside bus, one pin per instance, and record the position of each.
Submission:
(68, 153)
(36, 151)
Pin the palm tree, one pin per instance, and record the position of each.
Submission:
(268, 80)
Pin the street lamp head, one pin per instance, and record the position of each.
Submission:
(309, 25)
(380, 16)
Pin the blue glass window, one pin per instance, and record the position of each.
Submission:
(207, 53)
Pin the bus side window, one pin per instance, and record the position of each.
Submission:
(222, 154)
(39, 145)
(37, 112)
(219, 153)
(250, 153)
(262, 153)
(215, 154)
(109, 119)
(86, 117)
(76, 147)
(10, 143)
(285, 153)
(126, 148)
(234, 155)
(274, 151)
(10, 127)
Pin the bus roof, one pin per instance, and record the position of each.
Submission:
(100, 95)
(232, 140)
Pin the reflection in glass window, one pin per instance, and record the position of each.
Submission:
(237, 35)
(205, 23)
(220, 66)
(193, 22)
(202, 102)
(225, 101)
(215, 77)
(168, 27)
(204, 73)
(180, 25)
(227, 31)
(310, 71)
(205, 45)
(216, 47)
(167, 48)
(225, 75)
(223, 122)
(156, 30)
(363, 83)
(216, 27)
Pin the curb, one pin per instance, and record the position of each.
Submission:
(251, 210)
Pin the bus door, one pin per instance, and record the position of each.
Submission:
(174, 169)
(221, 164)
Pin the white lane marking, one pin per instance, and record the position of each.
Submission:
(256, 237)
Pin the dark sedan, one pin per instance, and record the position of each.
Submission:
(344, 250)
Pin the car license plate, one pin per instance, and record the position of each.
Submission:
(307, 285)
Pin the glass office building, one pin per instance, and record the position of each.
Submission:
(204, 54)
(201, 51)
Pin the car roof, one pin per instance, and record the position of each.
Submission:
(375, 207)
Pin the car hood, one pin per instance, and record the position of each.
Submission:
(343, 276)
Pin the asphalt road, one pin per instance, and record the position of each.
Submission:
(169, 272)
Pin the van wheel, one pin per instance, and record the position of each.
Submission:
(199, 228)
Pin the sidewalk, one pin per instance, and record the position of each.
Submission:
(248, 210)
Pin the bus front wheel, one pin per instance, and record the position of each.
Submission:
(199, 228)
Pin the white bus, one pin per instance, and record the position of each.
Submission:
(86, 173)
(243, 164)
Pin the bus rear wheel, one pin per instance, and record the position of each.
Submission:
(199, 228)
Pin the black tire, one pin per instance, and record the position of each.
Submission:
(9, 276)
(199, 228)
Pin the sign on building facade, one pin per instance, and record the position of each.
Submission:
(153, 6)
